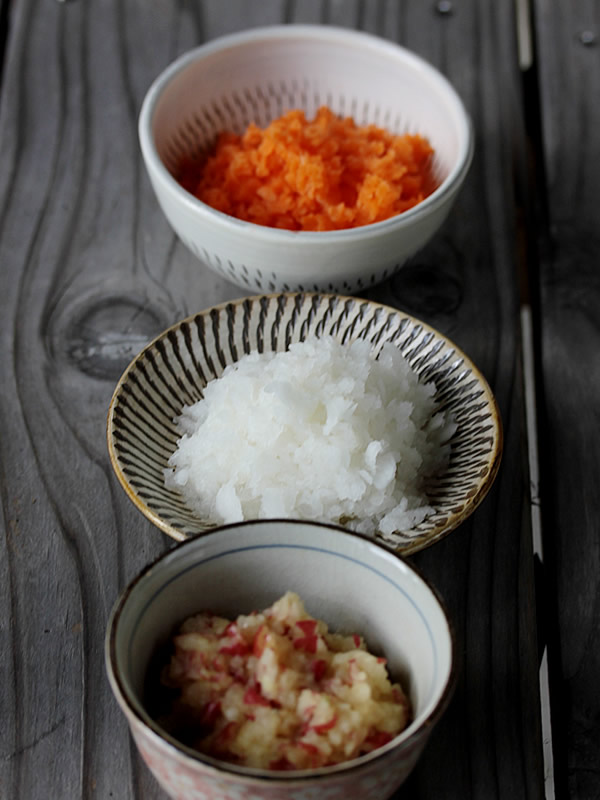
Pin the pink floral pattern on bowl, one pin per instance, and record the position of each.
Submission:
(342, 577)
(189, 781)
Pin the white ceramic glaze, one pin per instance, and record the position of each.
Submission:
(349, 581)
(257, 75)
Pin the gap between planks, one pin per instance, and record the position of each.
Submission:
(530, 355)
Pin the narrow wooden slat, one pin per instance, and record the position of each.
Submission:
(568, 64)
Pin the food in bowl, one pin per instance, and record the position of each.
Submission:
(257, 75)
(173, 371)
(348, 580)
(320, 175)
(322, 431)
(276, 690)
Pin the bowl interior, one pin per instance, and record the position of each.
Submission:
(173, 370)
(256, 76)
(351, 583)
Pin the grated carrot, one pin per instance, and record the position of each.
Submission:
(326, 174)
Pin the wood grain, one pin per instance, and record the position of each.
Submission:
(569, 299)
(91, 272)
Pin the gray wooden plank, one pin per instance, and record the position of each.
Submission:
(568, 71)
(91, 272)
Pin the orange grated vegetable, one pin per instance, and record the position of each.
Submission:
(322, 175)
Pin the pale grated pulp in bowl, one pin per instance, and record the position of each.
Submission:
(322, 431)
(277, 690)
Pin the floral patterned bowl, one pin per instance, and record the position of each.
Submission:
(345, 579)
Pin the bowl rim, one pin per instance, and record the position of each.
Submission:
(430, 538)
(268, 234)
(404, 742)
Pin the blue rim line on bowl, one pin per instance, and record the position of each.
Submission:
(283, 545)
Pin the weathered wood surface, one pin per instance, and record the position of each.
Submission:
(91, 272)
(569, 283)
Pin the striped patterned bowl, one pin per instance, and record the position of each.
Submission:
(173, 370)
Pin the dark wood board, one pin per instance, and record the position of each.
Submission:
(568, 240)
(91, 272)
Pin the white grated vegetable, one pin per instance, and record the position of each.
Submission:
(323, 431)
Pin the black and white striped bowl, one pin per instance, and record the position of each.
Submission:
(173, 370)
(256, 76)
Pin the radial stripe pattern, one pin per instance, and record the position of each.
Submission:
(174, 369)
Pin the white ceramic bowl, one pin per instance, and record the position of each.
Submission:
(256, 76)
(349, 581)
